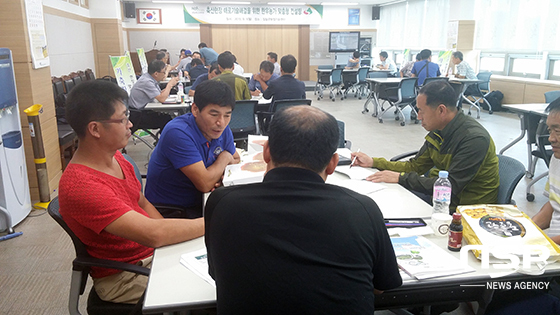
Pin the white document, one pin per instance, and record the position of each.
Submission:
(355, 172)
(197, 262)
(363, 187)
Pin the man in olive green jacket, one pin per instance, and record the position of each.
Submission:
(456, 143)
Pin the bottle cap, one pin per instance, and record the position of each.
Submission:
(457, 216)
(443, 174)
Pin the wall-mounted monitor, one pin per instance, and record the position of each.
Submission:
(344, 41)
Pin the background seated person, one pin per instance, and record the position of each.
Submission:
(193, 151)
(273, 57)
(294, 244)
(145, 90)
(213, 72)
(407, 68)
(549, 215)
(237, 83)
(425, 68)
(286, 86)
(187, 59)
(101, 199)
(387, 63)
(464, 71)
(197, 68)
(259, 81)
(195, 55)
(354, 61)
(456, 143)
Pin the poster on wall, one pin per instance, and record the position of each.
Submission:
(443, 60)
(201, 13)
(148, 16)
(124, 71)
(142, 58)
(452, 34)
(36, 32)
(353, 17)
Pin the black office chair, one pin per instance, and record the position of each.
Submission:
(551, 96)
(511, 171)
(140, 119)
(542, 151)
(406, 95)
(243, 121)
(342, 142)
(80, 270)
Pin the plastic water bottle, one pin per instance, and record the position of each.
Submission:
(441, 200)
(180, 92)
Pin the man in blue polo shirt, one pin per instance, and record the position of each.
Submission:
(425, 68)
(192, 152)
(209, 55)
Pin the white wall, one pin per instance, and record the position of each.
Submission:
(69, 40)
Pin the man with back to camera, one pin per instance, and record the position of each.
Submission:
(101, 199)
(286, 86)
(187, 59)
(213, 72)
(273, 57)
(193, 152)
(294, 244)
(549, 215)
(425, 68)
(197, 69)
(195, 55)
(387, 63)
(456, 143)
(259, 81)
(208, 55)
(237, 83)
(145, 90)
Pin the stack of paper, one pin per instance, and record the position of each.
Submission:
(355, 172)
(422, 259)
(250, 170)
(197, 262)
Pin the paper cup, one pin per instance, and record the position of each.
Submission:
(440, 223)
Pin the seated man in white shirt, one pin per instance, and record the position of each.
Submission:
(387, 63)
(463, 69)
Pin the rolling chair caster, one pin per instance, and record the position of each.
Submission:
(397, 118)
(530, 197)
(403, 123)
(380, 120)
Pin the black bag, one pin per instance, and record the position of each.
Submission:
(495, 99)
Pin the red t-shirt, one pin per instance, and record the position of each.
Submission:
(90, 200)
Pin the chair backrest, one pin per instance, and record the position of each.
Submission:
(377, 74)
(336, 76)
(541, 138)
(407, 88)
(89, 74)
(511, 171)
(53, 210)
(243, 117)
(362, 74)
(342, 142)
(325, 67)
(77, 80)
(428, 80)
(68, 83)
(484, 76)
(277, 105)
(550, 96)
(136, 170)
(365, 62)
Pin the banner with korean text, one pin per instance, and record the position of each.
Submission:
(124, 72)
(252, 14)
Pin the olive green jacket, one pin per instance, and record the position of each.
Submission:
(464, 149)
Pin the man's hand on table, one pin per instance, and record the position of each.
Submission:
(384, 177)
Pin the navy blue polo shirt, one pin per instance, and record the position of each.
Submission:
(181, 143)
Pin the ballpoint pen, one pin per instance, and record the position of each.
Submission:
(354, 159)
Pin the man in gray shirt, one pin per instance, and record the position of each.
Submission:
(144, 91)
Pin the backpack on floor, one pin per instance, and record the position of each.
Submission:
(495, 99)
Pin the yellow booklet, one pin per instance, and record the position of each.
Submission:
(504, 228)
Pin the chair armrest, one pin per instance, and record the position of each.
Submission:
(109, 264)
(391, 88)
(403, 155)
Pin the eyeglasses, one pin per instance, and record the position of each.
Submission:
(123, 121)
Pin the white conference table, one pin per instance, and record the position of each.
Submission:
(173, 287)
